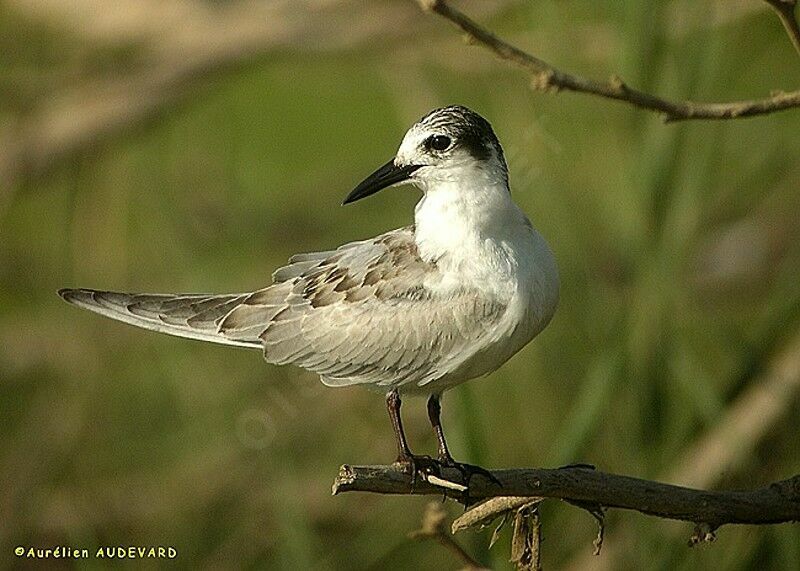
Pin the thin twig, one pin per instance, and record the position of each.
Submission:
(526, 540)
(487, 511)
(548, 78)
(433, 528)
(785, 11)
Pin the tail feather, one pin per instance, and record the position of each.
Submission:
(193, 316)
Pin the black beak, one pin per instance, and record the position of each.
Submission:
(384, 177)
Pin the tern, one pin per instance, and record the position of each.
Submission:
(417, 310)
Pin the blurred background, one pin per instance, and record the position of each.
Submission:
(194, 145)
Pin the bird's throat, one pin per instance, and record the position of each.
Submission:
(456, 218)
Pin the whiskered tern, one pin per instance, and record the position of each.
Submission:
(416, 310)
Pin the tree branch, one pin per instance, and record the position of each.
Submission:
(433, 528)
(205, 42)
(776, 503)
(785, 11)
(546, 77)
(725, 447)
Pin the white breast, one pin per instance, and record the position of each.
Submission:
(481, 240)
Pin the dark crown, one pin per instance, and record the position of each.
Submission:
(468, 129)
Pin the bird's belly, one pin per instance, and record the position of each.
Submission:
(524, 279)
(519, 327)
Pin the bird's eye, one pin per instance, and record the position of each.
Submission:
(438, 142)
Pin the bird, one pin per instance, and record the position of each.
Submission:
(415, 311)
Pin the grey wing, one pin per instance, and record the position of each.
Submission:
(194, 316)
(363, 314)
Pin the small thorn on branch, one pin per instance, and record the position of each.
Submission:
(544, 81)
(617, 84)
(428, 5)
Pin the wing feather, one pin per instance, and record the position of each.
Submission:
(369, 315)
(164, 313)
(367, 312)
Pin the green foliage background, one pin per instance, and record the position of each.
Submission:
(677, 244)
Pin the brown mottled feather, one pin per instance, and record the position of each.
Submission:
(364, 313)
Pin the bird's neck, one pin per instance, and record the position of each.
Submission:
(457, 217)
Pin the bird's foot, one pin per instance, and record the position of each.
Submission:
(467, 471)
(418, 466)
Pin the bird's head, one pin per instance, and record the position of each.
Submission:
(446, 145)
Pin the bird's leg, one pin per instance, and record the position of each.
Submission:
(415, 464)
(434, 412)
(467, 470)
(393, 406)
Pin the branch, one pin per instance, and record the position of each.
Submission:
(433, 528)
(785, 11)
(727, 445)
(203, 43)
(546, 77)
(526, 540)
(777, 503)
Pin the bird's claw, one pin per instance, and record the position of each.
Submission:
(418, 466)
(467, 471)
